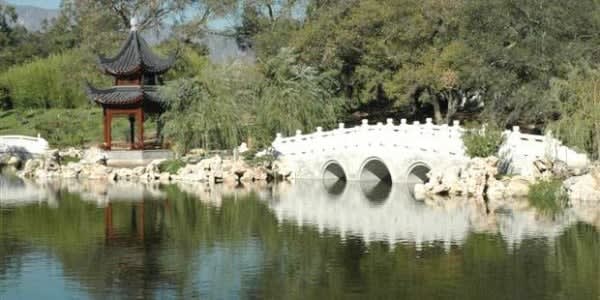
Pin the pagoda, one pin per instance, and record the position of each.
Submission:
(136, 71)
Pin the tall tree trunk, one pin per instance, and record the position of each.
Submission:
(596, 141)
(437, 112)
(452, 100)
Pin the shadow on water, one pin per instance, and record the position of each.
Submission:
(334, 187)
(377, 192)
(196, 241)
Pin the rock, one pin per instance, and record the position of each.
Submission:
(122, 174)
(560, 169)
(14, 161)
(246, 175)
(282, 169)
(518, 187)
(51, 165)
(100, 171)
(196, 152)
(164, 177)
(595, 173)
(153, 166)
(242, 148)
(496, 190)
(542, 165)
(139, 171)
(94, 156)
(52, 154)
(261, 174)
(71, 152)
(585, 188)
(31, 166)
(419, 192)
(71, 170)
(192, 172)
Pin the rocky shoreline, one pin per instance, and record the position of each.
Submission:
(480, 181)
(91, 164)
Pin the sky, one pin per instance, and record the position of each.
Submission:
(214, 24)
(38, 3)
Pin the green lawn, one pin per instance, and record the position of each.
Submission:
(65, 127)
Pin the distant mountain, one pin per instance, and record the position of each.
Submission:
(32, 17)
(222, 48)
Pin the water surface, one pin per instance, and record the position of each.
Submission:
(311, 239)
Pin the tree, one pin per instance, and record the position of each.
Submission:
(524, 45)
(578, 99)
(294, 96)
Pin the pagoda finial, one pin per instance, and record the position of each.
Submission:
(134, 24)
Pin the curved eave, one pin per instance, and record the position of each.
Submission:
(134, 57)
(115, 96)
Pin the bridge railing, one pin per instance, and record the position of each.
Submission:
(20, 143)
(519, 150)
(417, 136)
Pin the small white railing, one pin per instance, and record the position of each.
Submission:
(20, 143)
(424, 137)
(520, 150)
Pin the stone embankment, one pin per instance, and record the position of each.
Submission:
(90, 164)
(479, 180)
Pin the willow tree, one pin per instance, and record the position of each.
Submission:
(578, 99)
(294, 96)
(207, 110)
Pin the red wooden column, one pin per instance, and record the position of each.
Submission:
(105, 125)
(142, 224)
(108, 129)
(108, 222)
(140, 124)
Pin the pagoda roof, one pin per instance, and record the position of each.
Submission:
(123, 95)
(135, 56)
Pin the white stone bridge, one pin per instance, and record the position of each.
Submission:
(406, 152)
(373, 152)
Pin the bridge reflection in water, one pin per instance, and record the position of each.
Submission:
(380, 211)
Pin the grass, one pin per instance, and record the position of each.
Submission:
(548, 196)
(171, 166)
(482, 142)
(76, 127)
(68, 159)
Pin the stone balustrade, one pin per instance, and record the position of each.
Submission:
(424, 137)
(26, 144)
(395, 150)
(520, 150)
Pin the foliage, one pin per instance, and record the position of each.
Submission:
(171, 166)
(65, 160)
(57, 81)
(202, 112)
(61, 127)
(293, 96)
(482, 142)
(224, 104)
(181, 233)
(548, 196)
(578, 98)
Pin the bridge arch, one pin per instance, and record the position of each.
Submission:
(333, 170)
(417, 173)
(375, 169)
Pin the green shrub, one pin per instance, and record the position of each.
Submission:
(482, 142)
(64, 160)
(56, 81)
(548, 196)
(171, 166)
(64, 127)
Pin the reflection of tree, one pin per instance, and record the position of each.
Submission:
(163, 246)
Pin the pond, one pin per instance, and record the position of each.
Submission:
(307, 240)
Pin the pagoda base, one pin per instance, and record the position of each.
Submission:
(136, 158)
